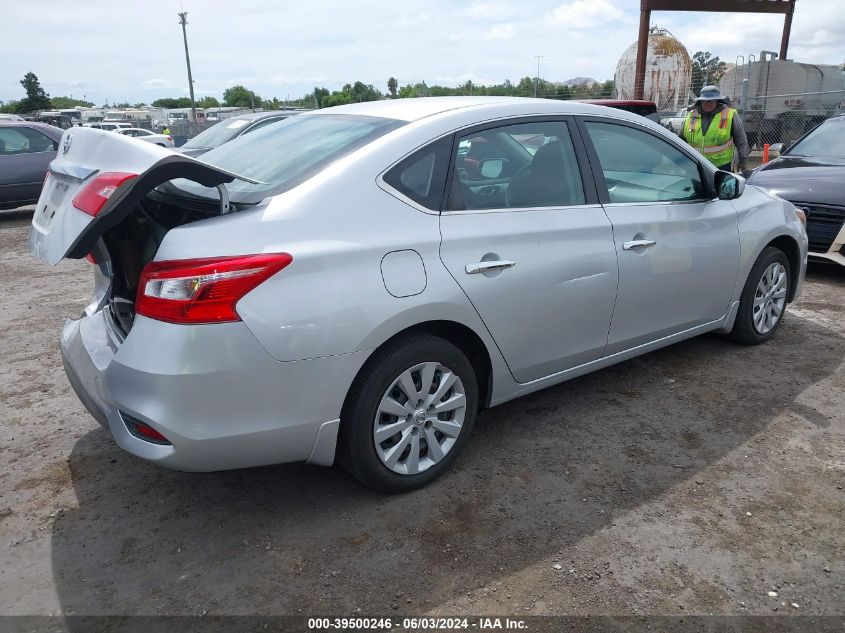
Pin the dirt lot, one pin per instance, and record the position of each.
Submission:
(692, 480)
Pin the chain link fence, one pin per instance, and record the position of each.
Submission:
(785, 118)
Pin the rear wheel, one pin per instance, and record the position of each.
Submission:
(762, 305)
(409, 413)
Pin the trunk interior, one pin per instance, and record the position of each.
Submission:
(133, 243)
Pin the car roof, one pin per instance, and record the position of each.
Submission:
(50, 130)
(414, 109)
(618, 102)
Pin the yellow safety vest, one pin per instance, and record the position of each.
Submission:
(717, 145)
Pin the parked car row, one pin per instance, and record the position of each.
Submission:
(357, 282)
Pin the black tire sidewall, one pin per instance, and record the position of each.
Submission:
(744, 330)
(357, 448)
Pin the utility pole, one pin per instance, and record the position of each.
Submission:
(183, 20)
(537, 84)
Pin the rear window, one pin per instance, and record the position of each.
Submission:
(288, 153)
(217, 134)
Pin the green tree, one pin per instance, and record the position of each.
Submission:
(707, 70)
(392, 86)
(319, 95)
(407, 92)
(351, 93)
(208, 102)
(36, 98)
(181, 102)
(240, 97)
(10, 107)
(68, 102)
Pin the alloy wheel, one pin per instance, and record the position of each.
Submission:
(769, 298)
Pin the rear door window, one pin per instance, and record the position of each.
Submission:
(522, 165)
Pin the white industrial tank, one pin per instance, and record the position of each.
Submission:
(784, 99)
(668, 71)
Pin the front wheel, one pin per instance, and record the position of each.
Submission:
(408, 414)
(762, 305)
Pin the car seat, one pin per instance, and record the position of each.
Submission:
(542, 183)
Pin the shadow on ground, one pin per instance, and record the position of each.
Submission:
(541, 473)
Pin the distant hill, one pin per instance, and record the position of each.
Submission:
(577, 81)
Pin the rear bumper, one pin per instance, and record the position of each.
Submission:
(211, 390)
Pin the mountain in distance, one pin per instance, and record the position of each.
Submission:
(577, 81)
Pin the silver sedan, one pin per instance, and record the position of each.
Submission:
(357, 282)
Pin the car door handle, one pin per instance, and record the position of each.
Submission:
(484, 267)
(637, 244)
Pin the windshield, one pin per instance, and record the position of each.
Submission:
(285, 154)
(217, 134)
(826, 141)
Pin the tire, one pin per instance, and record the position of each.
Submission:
(750, 327)
(379, 387)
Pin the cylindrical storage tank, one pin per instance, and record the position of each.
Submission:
(784, 99)
(668, 72)
(800, 81)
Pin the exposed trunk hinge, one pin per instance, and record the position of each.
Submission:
(225, 205)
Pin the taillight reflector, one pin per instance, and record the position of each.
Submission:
(142, 430)
(203, 290)
(93, 197)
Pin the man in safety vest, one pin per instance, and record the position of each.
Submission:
(715, 130)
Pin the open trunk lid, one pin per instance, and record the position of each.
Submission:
(60, 229)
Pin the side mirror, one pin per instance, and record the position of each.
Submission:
(729, 186)
(492, 167)
(776, 150)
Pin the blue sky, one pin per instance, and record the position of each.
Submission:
(133, 51)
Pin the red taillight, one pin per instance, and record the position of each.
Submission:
(170, 138)
(90, 257)
(92, 197)
(202, 290)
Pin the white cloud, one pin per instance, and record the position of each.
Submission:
(584, 14)
(500, 32)
(487, 11)
(282, 80)
(156, 84)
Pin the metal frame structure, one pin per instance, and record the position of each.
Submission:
(787, 7)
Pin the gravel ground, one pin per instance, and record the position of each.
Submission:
(696, 479)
